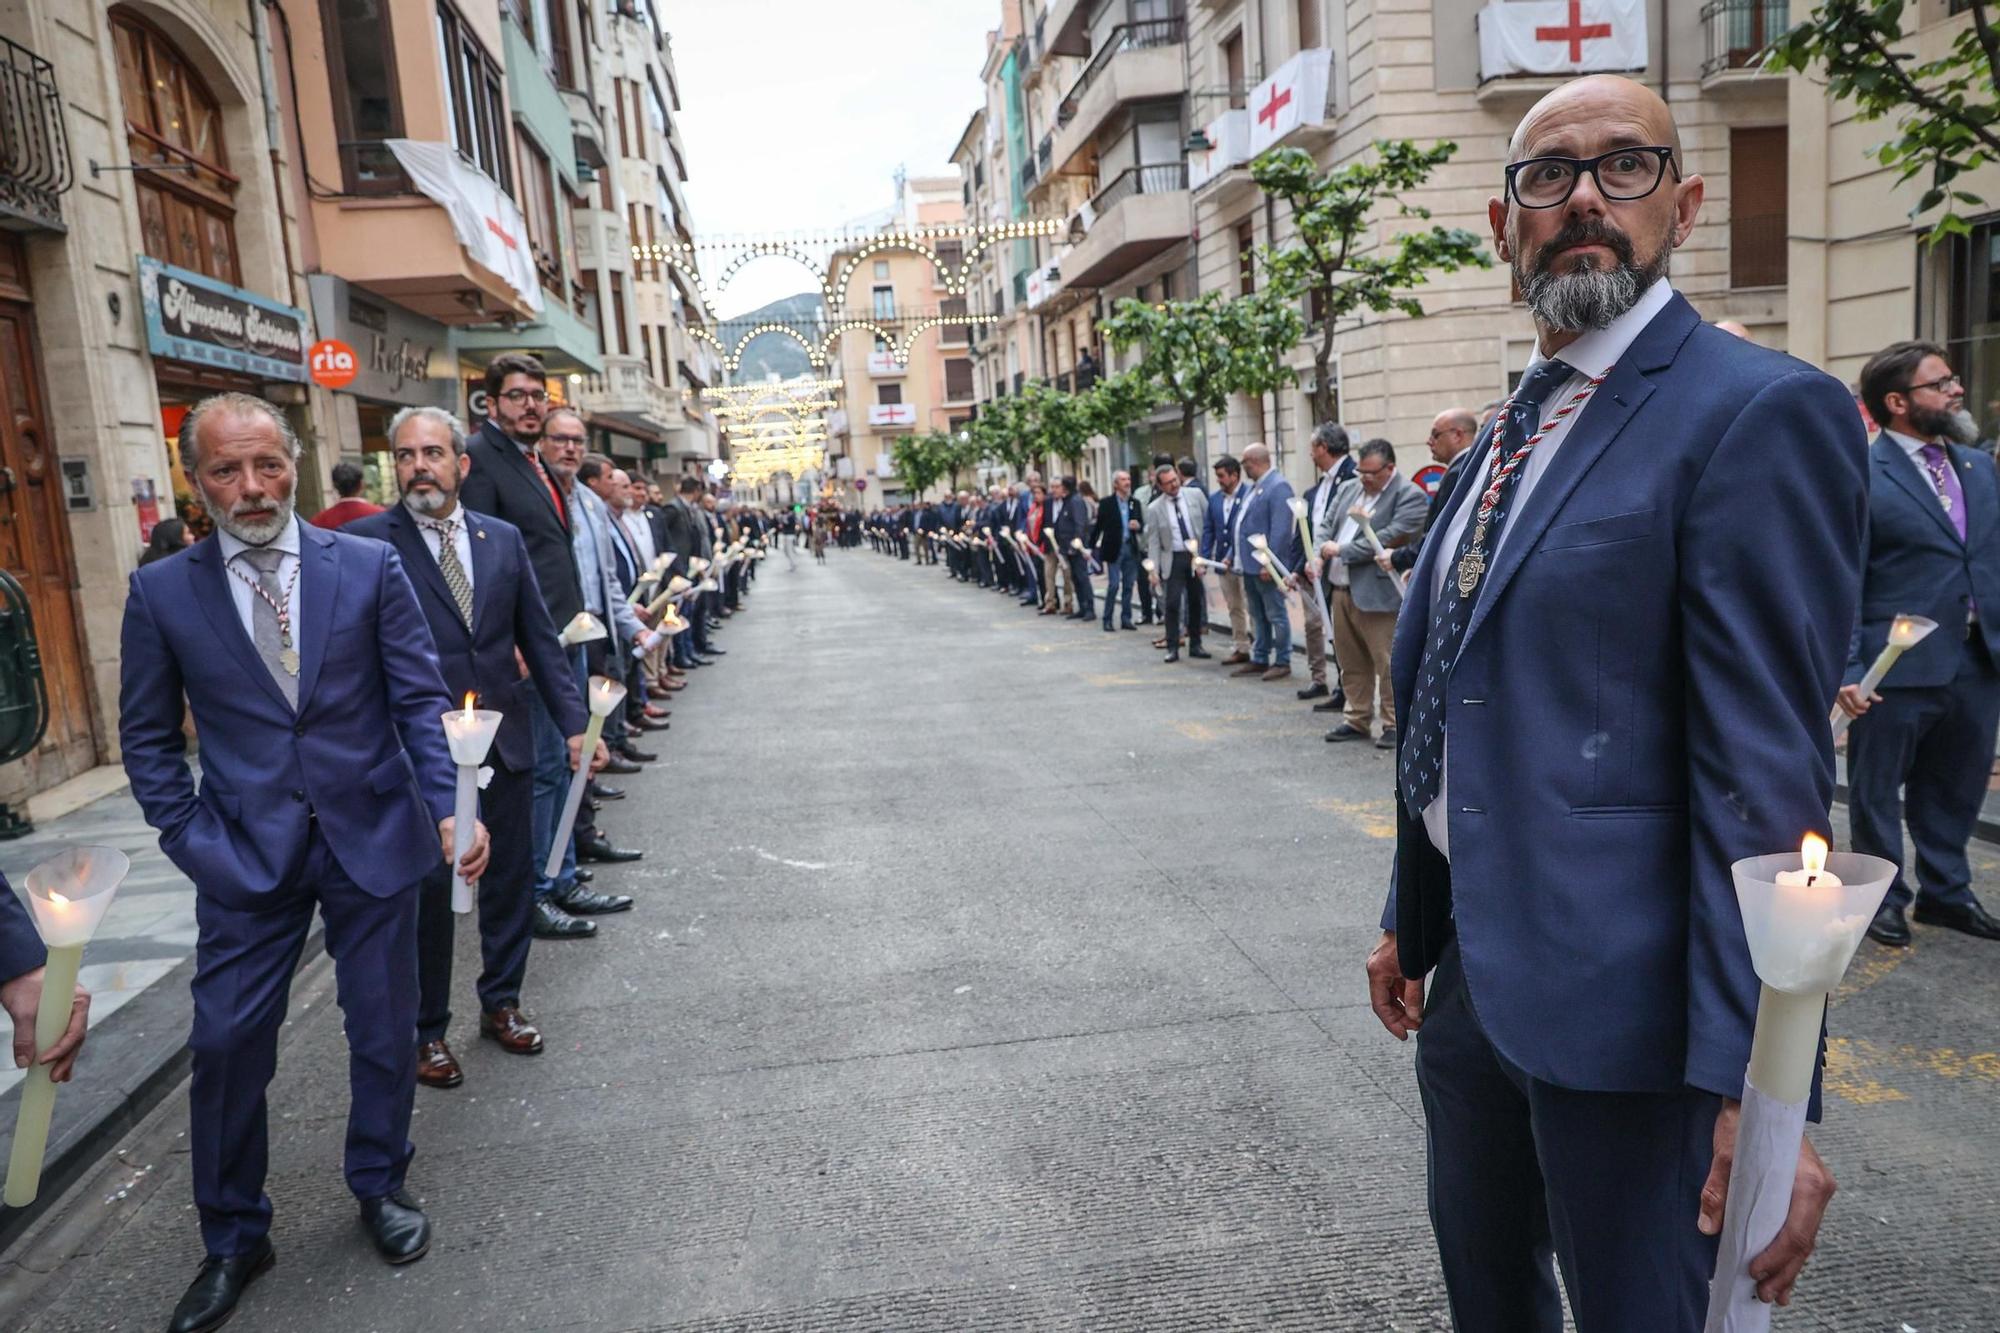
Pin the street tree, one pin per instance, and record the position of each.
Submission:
(1330, 262)
(1947, 117)
(921, 461)
(1196, 353)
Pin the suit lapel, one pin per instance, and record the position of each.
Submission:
(218, 604)
(485, 556)
(1905, 472)
(1979, 514)
(417, 557)
(517, 460)
(319, 587)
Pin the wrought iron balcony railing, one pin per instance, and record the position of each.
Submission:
(1124, 37)
(1736, 31)
(34, 148)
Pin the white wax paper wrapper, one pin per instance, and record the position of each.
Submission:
(1760, 1195)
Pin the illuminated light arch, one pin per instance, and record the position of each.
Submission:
(774, 250)
(894, 241)
(814, 354)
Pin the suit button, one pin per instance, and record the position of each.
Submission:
(299, 730)
(298, 794)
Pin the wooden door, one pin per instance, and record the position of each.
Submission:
(34, 530)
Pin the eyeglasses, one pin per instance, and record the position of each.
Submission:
(519, 396)
(1373, 472)
(565, 439)
(1623, 174)
(1943, 384)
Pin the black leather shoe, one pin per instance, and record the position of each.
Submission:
(1968, 919)
(397, 1226)
(1333, 705)
(1387, 740)
(580, 901)
(552, 923)
(634, 754)
(1171, 657)
(713, 651)
(651, 724)
(1889, 927)
(1200, 652)
(1316, 690)
(211, 1298)
(599, 848)
(1343, 732)
(584, 875)
(618, 764)
(599, 792)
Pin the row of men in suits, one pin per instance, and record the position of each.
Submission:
(318, 665)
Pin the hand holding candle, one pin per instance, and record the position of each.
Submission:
(582, 628)
(604, 696)
(470, 735)
(67, 895)
(1905, 632)
(1368, 531)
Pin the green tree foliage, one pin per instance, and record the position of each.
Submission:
(1196, 353)
(1329, 260)
(922, 460)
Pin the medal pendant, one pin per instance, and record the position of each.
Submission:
(289, 660)
(1946, 501)
(1470, 567)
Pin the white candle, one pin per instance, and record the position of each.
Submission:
(582, 628)
(1905, 632)
(603, 697)
(469, 734)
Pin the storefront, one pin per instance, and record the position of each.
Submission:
(379, 359)
(206, 336)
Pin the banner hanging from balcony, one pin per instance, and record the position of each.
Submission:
(1561, 37)
(1292, 98)
(487, 223)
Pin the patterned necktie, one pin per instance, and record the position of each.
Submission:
(1420, 766)
(1180, 516)
(1950, 491)
(266, 632)
(452, 569)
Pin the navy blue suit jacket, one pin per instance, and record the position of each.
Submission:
(1216, 543)
(1640, 699)
(1265, 511)
(20, 943)
(504, 483)
(1916, 565)
(364, 750)
(508, 614)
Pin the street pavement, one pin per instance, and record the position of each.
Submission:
(986, 974)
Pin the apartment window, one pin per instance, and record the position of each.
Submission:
(656, 107)
(475, 102)
(618, 100)
(546, 25)
(618, 314)
(1757, 188)
(1968, 267)
(887, 394)
(952, 334)
(881, 269)
(361, 65)
(185, 217)
(1309, 24)
(638, 122)
(538, 205)
(1246, 256)
(1233, 70)
(884, 303)
(958, 379)
(646, 347)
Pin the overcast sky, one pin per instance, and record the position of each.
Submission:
(796, 113)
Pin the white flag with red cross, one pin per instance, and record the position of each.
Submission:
(1561, 37)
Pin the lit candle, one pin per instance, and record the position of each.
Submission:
(582, 628)
(469, 734)
(1368, 531)
(1149, 566)
(67, 896)
(1905, 632)
(603, 697)
(1261, 548)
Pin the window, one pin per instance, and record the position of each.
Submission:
(884, 304)
(881, 269)
(618, 314)
(618, 100)
(475, 103)
(1309, 25)
(1757, 187)
(367, 108)
(538, 205)
(1969, 268)
(186, 218)
(1233, 70)
(958, 379)
(952, 334)
(1246, 256)
(656, 108)
(888, 393)
(638, 123)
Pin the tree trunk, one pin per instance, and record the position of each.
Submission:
(1187, 426)
(1322, 380)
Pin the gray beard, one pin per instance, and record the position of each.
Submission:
(1956, 427)
(249, 533)
(427, 502)
(1584, 300)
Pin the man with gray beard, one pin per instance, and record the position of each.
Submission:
(1933, 550)
(1612, 677)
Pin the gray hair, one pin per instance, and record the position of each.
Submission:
(1331, 436)
(1381, 449)
(436, 414)
(230, 405)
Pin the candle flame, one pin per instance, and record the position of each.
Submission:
(58, 899)
(468, 708)
(1812, 851)
(1194, 547)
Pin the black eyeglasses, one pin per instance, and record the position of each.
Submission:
(519, 396)
(1943, 384)
(1623, 174)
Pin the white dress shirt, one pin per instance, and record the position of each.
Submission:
(640, 529)
(461, 540)
(1591, 355)
(1349, 531)
(246, 597)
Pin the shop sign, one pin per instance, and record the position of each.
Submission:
(393, 349)
(333, 364)
(196, 319)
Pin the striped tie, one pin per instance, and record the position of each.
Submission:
(454, 572)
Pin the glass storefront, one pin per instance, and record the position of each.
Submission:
(1963, 299)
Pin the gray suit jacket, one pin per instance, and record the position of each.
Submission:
(1163, 534)
(1400, 512)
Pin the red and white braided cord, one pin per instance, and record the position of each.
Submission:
(1507, 469)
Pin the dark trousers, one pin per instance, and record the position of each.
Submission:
(1079, 572)
(1935, 744)
(1146, 599)
(244, 960)
(1181, 596)
(506, 905)
(1525, 1176)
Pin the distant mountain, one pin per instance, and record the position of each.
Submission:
(774, 353)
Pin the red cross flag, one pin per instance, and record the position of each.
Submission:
(1561, 37)
(1295, 96)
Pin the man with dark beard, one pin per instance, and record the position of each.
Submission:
(1933, 550)
(1609, 689)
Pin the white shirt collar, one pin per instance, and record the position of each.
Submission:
(1911, 444)
(286, 541)
(1598, 350)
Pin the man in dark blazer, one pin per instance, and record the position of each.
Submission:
(688, 538)
(1924, 741)
(1116, 539)
(1609, 689)
(325, 784)
(1450, 443)
(1072, 525)
(478, 594)
(1267, 513)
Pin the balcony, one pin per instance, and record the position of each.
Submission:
(1735, 33)
(627, 393)
(1138, 62)
(892, 416)
(585, 132)
(1140, 213)
(1066, 24)
(34, 150)
(602, 239)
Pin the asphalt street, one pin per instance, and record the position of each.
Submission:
(986, 974)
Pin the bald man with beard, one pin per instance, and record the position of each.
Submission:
(1613, 673)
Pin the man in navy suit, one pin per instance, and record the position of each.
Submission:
(1072, 525)
(1612, 673)
(478, 594)
(1933, 550)
(1218, 543)
(325, 783)
(1267, 513)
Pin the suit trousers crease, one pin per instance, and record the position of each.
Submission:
(243, 973)
(1180, 597)
(505, 909)
(1527, 1178)
(1239, 613)
(1362, 643)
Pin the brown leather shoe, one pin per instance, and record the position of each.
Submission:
(437, 1067)
(1278, 673)
(1250, 668)
(1234, 659)
(514, 1032)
